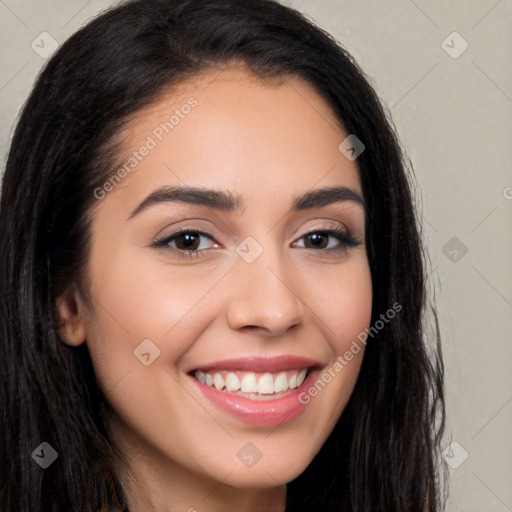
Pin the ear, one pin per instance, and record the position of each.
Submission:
(71, 312)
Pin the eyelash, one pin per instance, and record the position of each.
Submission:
(343, 236)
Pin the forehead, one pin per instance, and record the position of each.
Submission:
(227, 128)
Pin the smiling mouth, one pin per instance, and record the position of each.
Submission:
(258, 386)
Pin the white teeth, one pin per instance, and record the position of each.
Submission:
(232, 382)
(249, 383)
(281, 383)
(301, 377)
(266, 384)
(218, 381)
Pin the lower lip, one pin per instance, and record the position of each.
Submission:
(259, 413)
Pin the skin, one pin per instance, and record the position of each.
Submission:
(269, 142)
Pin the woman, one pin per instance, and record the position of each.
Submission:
(213, 287)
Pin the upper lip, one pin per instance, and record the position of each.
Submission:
(261, 364)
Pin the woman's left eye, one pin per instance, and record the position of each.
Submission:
(187, 243)
(320, 239)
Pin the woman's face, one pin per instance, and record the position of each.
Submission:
(254, 293)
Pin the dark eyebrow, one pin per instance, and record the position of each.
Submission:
(217, 199)
(227, 202)
(325, 196)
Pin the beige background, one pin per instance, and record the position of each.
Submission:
(455, 119)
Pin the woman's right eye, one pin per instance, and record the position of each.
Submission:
(187, 242)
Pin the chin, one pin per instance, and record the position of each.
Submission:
(263, 476)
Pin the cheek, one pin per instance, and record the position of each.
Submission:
(341, 298)
(350, 317)
(145, 299)
(351, 313)
(146, 312)
(136, 300)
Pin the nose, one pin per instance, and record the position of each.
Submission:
(262, 297)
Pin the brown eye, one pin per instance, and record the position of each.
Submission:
(186, 243)
(319, 240)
